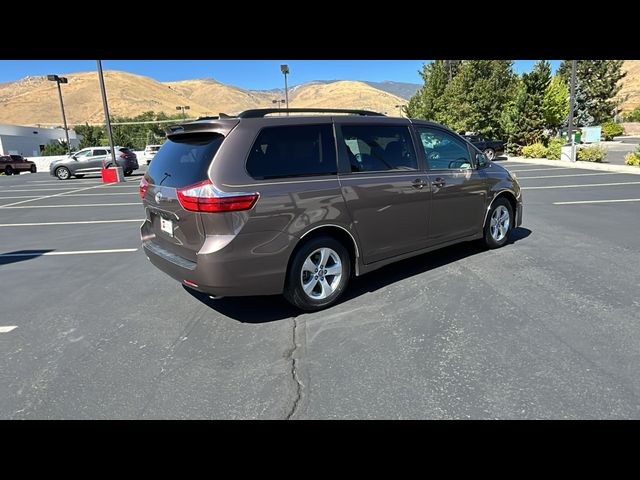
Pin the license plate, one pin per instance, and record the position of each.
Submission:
(166, 226)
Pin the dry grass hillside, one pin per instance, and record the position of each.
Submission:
(218, 97)
(345, 94)
(630, 92)
(34, 100)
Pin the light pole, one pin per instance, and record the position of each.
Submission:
(285, 71)
(105, 105)
(572, 99)
(59, 80)
(183, 108)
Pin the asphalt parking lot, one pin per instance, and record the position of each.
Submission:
(546, 327)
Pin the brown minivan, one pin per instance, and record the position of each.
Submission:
(259, 204)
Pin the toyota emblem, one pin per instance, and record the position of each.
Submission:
(158, 197)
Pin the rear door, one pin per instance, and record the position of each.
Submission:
(183, 161)
(384, 186)
(458, 190)
(98, 156)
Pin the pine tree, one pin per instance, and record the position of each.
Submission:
(582, 116)
(475, 98)
(427, 102)
(600, 80)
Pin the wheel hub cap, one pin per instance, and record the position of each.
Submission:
(321, 273)
(499, 225)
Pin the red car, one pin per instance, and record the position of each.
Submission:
(14, 164)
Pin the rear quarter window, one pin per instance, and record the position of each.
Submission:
(184, 160)
(293, 151)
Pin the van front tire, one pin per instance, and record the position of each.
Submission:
(499, 223)
(318, 274)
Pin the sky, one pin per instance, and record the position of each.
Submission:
(247, 74)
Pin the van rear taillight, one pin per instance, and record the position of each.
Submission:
(203, 197)
(143, 187)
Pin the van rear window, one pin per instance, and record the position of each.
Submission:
(184, 160)
(293, 151)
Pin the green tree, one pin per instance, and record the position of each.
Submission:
(529, 117)
(600, 80)
(582, 109)
(427, 102)
(555, 106)
(475, 98)
(90, 135)
(56, 148)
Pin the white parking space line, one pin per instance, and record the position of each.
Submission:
(75, 252)
(76, 182)
(35, 189)
(19, 196)
(581, 186)
(79, 222)
(581, 202)
(570, 175)
(7, 329)
(72, 206)
(48, 196)
(540, 169)
(76, 195)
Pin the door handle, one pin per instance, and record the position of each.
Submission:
(418, 183)
(439, 182)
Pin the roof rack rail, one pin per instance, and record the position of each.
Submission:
(261, 112)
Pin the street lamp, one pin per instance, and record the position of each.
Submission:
(183, 108)
(107, 121)
(285, 71)
(572, 101)
(279, 102)
(59, 80)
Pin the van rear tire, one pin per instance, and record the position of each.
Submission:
(318, 274)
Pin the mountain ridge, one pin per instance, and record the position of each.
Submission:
(33, 100)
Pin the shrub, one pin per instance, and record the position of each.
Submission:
(633, 116)
(632, 159)
(55, 149)
(592, 153)
(611, 129)
(537, 150)
(553, 149)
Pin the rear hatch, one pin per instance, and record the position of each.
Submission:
(182, 161)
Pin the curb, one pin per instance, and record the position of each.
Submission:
(604, 167)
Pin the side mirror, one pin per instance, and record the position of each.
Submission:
(482, 160)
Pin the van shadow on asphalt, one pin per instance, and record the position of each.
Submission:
(20, 256)
(274, 307)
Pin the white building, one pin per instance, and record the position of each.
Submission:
(30, 141)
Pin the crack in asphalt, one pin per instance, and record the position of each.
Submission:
(294, 372)
(171, 350)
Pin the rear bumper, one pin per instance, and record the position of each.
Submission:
(247, 264)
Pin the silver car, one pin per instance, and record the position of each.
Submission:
(91, 160)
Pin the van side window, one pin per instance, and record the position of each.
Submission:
(442, 150)
(293, 151)
(375, 148)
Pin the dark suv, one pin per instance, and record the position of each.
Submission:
(260, 205)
